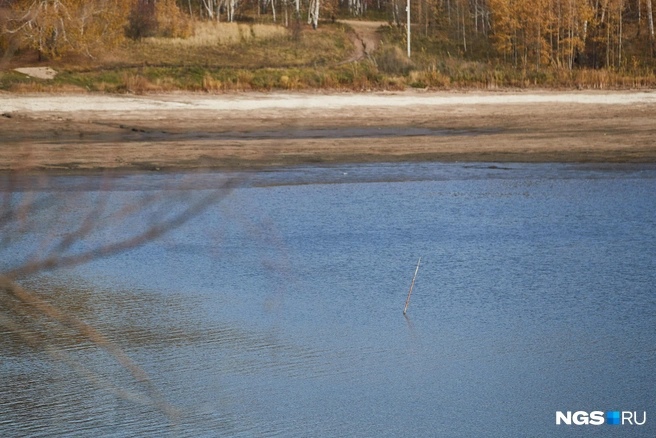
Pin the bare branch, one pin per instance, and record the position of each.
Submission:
(92, 335)
(19, 216)
(154, 232)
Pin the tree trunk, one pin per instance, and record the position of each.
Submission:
(313, 13)
(650, 19)
(619, 48)
(209, 9)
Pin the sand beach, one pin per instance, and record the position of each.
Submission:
(85, 132)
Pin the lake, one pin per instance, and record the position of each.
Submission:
(276, 309)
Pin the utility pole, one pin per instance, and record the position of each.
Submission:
(407, 8)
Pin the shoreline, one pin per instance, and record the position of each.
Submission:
(181, 132)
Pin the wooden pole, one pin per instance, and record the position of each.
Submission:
(407, 300)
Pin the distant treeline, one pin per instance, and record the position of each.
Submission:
(528, 34)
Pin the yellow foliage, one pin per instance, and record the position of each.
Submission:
(171, 22)
(539, 32)
(54, 27)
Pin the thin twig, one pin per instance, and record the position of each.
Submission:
(152, 233)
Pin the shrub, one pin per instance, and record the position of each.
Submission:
(393, 60)
(148, 18)
(142, 21)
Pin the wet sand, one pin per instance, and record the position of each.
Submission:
(241, 131)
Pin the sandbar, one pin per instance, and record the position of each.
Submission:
(87, 132)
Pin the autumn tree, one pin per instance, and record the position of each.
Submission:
(543, 32)
(54, 27)
(142, 21)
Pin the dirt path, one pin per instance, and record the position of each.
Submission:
(365, 39)
(190, 131)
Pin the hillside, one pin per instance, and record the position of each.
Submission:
(481, 44)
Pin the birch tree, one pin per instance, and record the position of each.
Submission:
(542, 32)
(211, 8)
(650, 20)
(357, 7)
(313, 13)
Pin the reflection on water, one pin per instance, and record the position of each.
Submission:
(279, 310)
(165, 328)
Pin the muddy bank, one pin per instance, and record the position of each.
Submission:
(85, 132)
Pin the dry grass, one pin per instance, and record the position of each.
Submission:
(222, 57)
(213, 33)
(393, 60)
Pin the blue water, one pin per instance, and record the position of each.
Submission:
(277, 310)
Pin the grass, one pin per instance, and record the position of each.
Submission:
(207, 34)
(222, 57)
(218, 57)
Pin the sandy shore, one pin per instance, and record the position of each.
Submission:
(79, 132)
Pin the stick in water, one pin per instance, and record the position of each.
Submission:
(407, 300)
